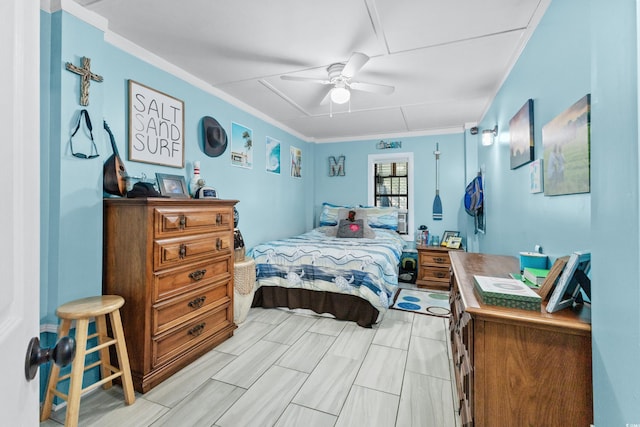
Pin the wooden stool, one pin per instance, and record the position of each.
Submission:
(81, 311)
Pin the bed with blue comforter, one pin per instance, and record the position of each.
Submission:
(350, 278)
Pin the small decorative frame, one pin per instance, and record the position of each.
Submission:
(535, 176)
(336, 166)
(447, 235)
(454, 242)
(156, 127)
(172, 185)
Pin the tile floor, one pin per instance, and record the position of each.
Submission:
(287, 369)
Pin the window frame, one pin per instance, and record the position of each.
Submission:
(394, 158)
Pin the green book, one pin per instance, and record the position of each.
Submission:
(535, 275)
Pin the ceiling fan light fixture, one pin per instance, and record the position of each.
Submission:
(340, 94)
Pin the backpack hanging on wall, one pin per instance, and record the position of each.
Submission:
(473, 201)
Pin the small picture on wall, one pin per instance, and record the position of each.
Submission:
(241, 146)
(296, 162)
(566, 143)
(521, 136)
(273, 155)
(535, 175)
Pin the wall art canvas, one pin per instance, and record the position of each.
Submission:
(296, 162)
(241, 146)
(535, 176)
(521, 136)
(336, 166)
(272, 155)
(567, 151)
(156, 127)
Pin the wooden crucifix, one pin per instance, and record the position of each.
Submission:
(85, 78)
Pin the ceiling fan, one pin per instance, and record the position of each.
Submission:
(340, 75)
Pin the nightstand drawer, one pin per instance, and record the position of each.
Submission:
(438, 274)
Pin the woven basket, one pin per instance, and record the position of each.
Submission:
(244, 276)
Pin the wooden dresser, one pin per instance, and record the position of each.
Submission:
(516, 367)
(172, 261)
(434, 267)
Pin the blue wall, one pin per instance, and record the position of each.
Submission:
(578, 48)
(269, 206)
(352, 188)
(554, 71)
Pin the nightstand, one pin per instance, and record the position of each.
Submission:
(434, 267)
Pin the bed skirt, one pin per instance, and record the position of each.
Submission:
(343, 307)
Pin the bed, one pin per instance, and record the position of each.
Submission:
(350, 278)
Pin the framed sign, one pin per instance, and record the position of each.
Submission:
(156, 127)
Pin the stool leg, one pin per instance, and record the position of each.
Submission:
(123, 357)
(54, 373)
(105, 360)
(77, 373)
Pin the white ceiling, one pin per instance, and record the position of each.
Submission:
(446, 58)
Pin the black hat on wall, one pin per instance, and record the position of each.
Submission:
(215, 137)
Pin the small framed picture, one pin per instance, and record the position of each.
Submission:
(454, 242)
(172, 185)
(447, 235)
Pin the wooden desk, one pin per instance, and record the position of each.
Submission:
(517, 367)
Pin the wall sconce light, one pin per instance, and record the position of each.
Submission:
(488, 135)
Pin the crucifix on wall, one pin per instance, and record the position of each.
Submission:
(85, 78)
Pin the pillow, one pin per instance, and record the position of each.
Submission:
(352, 229)
(343, 213)
(329, 214)
(381, 217)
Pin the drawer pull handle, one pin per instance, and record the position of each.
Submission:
(183, 251)
(218, 218)
(218, 243)
(198, 302)
(440, 274)
(198, 274)
(183, 222)
(439, 260)
(197, 330)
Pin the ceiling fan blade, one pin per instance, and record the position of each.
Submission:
(372, 87)
(355, 63)
(306, 79)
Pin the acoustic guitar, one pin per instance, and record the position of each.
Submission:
(115, 175)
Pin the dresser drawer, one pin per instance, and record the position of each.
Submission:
(178, 310)
(169, 345)
(179, 221)
(173, 282)
(180, 251)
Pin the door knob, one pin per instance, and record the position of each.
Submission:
(62, 354)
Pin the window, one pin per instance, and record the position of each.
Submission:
(391, 184)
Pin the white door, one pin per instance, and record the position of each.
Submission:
(20, 206)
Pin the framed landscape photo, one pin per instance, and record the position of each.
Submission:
(172, 185)
(521, 142)
(566, 141)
